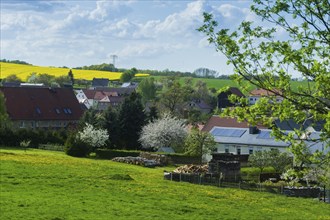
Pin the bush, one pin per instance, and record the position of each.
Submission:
(76, 148)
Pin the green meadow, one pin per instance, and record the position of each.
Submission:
(220, 83)
(38, 184)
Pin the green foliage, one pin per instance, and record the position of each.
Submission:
(127, 75)
(102, 67)
(199, 143)
(147, 89)
(49, 80)
(131, 119)
(29, 179)
(4, 117)
(75, 147)
(272, 158)
(252, 50)
(12, 78)
(111, 124)
(280, 161)
(174, 94)
(259, 159)
(15, 61)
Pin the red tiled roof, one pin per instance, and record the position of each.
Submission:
(264, 92)
(30, 103)
(216, 121)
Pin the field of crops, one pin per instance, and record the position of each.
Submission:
(24, 71)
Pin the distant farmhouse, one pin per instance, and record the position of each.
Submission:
(256, 94)
(42, 107)
(100, 82)
(102, 98)
(198, 105)
(223, 97)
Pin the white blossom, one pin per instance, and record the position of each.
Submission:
(163, 132)
(92, 136)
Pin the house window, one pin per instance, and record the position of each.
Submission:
(226, 149)
(250, 150)
(22, 125)
(259, 148)
(57, 111)
(251, 99)
(38, 110)
(238, 150)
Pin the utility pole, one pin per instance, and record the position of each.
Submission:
(114, 57)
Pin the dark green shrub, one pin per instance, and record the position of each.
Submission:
(75, 147)
(8, 137)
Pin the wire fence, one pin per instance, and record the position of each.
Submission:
(218, 181)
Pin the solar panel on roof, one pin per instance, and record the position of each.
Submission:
(228, 132)
(264, 135)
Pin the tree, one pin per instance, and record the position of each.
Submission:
(167, 131)
(280, 161)
(131, 119)
(4, 117)
(265, 61)
(199, 143)
(260, 159)
(127, 75)
(110, 123)
(93, 137)
(71, 77)
(12, 78)
(174, 95)
(93, 117)
(152, 114)
(44, 78)
(147, 89)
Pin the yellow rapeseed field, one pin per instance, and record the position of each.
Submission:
(24, 71)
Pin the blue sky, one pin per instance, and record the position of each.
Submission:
(143, 34)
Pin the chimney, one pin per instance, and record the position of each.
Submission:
(253, 130)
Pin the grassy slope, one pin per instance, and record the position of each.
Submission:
(220, 83)
(50, 185)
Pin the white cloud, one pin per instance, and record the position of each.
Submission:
(148, 49)
(181, 23)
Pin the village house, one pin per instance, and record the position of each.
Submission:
(199, 105)
(100, 82)
(239, 138)
(223, 97)
(42, 107)
(256, 94)
(102, 98)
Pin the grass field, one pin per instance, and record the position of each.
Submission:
(40, 184)
(220, 83)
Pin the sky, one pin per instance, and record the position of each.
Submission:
(144, 34)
